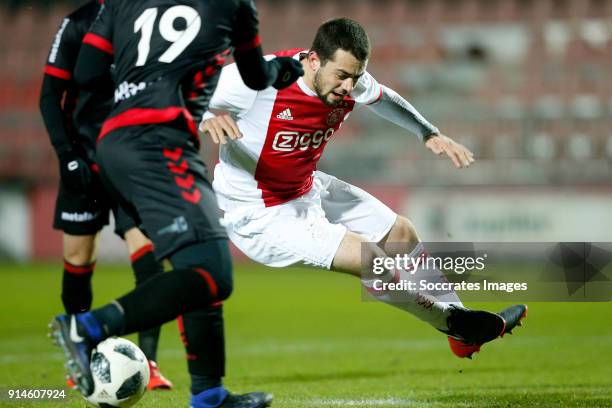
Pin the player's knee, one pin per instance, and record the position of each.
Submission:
(79, 250)
(214, 259)
(369, 255)
(136, 240)
(224, 280)
(218, 280)
(224, 290)
(404, 231)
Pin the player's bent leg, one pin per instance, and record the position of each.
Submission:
(403, 239)
(79, 263)
(145, 267)
(357, 257)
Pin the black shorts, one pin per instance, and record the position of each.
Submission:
(87, 213)
(157, 175)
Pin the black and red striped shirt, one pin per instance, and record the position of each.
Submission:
(168, 55)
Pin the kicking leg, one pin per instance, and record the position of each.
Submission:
(403, 239)
(357, 257)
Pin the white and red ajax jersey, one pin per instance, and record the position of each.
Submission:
(284, 134)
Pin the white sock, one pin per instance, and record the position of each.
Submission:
(431, 307)
(431, 275)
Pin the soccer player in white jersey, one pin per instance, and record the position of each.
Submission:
(281, 211)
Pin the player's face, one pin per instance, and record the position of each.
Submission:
(335, 79)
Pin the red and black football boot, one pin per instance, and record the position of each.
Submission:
(512, 317)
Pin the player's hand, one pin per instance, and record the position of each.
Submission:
(289, 70)
(74, 172)
(458, 153)
(220, 128)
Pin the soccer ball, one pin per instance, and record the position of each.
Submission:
(120, 372)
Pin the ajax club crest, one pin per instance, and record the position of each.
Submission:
(335, 116)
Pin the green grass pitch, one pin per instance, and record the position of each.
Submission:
(306, 336)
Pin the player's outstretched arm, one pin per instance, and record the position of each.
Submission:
(458, 153)
(391, 106)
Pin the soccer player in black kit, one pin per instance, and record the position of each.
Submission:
(168, 55)
(73, 118)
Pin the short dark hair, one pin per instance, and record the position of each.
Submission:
(344, 34)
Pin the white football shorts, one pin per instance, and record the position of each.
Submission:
(308, 230)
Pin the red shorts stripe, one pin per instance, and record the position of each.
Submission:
(209, 279)
(100, 43)
(77, 270)
(58, 72)
(141, 252)
(254, 43)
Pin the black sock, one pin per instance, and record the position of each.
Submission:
(76, 287)
(148, 341)
(202, 335)
(145, 266)
(165, 297)
(201, 383)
